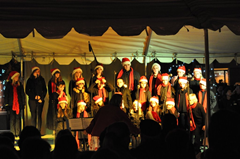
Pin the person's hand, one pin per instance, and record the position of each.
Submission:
(36, 97)
(98, 81)
(191, 123)
(39, 101)
(103, 80)
(203, 128)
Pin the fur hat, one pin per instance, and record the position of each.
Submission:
(182, 69)
(75, 69)
(183, 80)
(13, 74)
(99, 66)
(170, 101)
(80, 80)
(143, 79)
(35, 68)
(197, 70)
(97, 99)
(156, 64)
(203, 81)
(154, 99)
(54, 70)
(63, 100)
(81, 102)
(125, 61)
(165, 76)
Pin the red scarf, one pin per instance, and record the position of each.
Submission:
(102, 93)
(186, 98)
(158, 81)
(204, 100)
(131, 79)
(142, 98)
(85, 115)
(54, 87)
(193, 125)
(169, 92)
(197, 79)
(15, 106)
(156, 117)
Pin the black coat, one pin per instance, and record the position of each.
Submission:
(8, 99)
(36, 87)
(199, 115)
(126, 96)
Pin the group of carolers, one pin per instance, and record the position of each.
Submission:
(142, 98)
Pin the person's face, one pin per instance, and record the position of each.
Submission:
(36, 73)
(182, 84)
(80, 85)
(202, 86)
(191, 100)
(78, 74)
(180, 73)
(153, 104)
(100, 103)
(16, 78)
(61, 87)
(165, 81)
(127, 67)
(57, 75)
(143, 84)
(197, 74)
(120, 83)
(62, 105)
(229, 93)
(155, 69)
(81, 108)
(170, 106)
(99, 70)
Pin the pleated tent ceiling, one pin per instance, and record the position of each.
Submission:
(61, 29)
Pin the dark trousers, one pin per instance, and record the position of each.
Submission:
(15, 122)
(36, 112)
(198, 134)
(184, 121)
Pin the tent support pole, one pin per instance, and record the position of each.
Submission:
(206, 43)
(146, 47)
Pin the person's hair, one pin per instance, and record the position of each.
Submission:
(63, 133)
(192, 95)
(146, 88)
(60, 83)
(56, 80)
(28, 131)
(15, 82)
(32, 76)
(95, 72)
(74, 76)
(8, 134)
(121, 79)
(116, 100)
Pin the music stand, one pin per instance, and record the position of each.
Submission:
(78, 124)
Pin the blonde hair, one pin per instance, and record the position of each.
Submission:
(194, 97)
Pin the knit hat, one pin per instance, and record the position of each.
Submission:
(80, 80)
(75, 69)
(182, 69)
(97, 99)
(165, 76)
(197, 70)
(13, 74)
(136, 102)
(125, 61)
(183, 79)
(63, 100)
(143, 79)
(35, 68)
(156, 64)
(203, 81)
(99, 66)
(154, 99)
(81, 102)
(54, 70)
(170, 101)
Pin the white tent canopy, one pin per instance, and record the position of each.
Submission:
(186, 45)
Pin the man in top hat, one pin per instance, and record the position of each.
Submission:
(130, 76)
(182, 103)
(202, 96)
(194, 83)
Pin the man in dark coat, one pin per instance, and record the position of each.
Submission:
(130, 76)
(36, 91)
